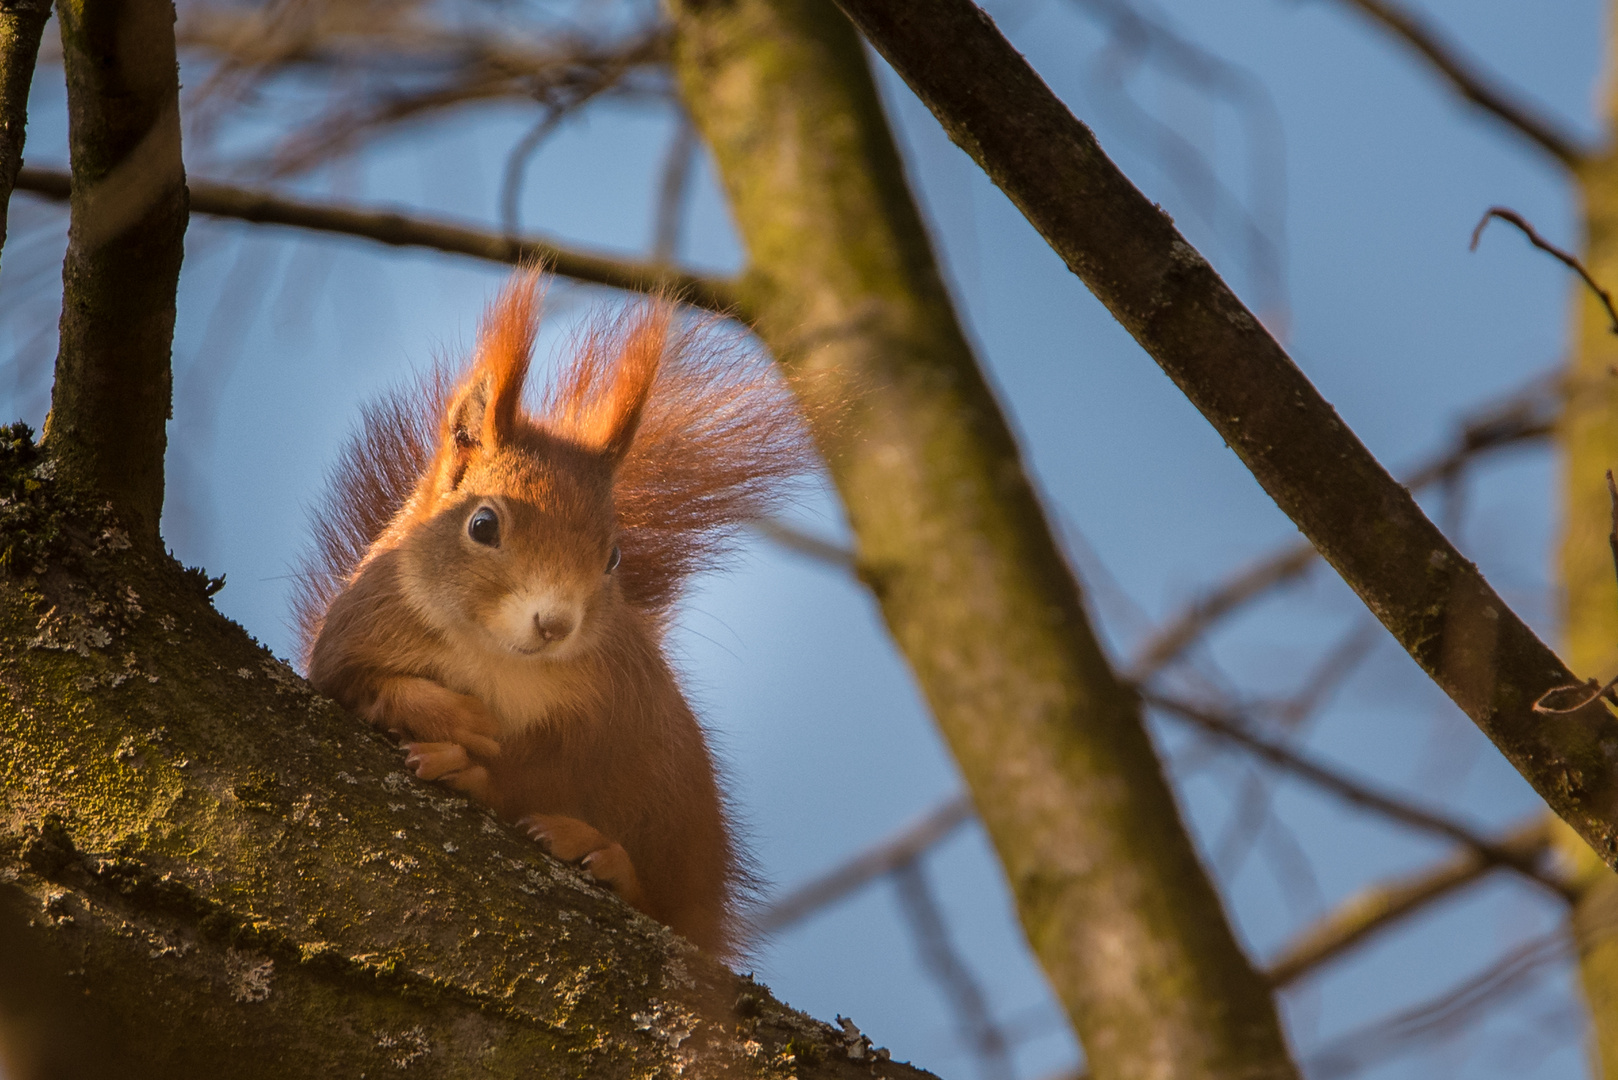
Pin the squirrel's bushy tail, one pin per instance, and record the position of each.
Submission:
(719, 440)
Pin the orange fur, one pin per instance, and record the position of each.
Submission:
(463, 593)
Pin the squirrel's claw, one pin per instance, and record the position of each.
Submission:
(574, 841)
(434, 760)
(448, 762)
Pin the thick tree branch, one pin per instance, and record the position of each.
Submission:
(403, 230)
(188, 831)
(1467, 78)
(126, 236)
(22, 24)
(1365, 523)
(1381, 907)
(957, 550)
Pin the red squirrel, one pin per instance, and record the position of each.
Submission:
(493, 585)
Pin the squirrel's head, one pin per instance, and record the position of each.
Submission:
(510, 541)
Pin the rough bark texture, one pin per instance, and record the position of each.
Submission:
(111, 399)
(1365, 524)
(954, 545)
(208, 870)
(22, 24)
(1589, 588)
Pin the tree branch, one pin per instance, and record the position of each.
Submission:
(1526, 415)
(1381, 907)
(188, 831)
(402, 230)
(959, 553)
(1359, 793)
(884, 857)
(112, 394)
(22, 24)
(1365, 523)
(1467, 78)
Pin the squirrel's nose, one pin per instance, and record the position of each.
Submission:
(552, 627)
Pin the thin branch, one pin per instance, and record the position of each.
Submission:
(1443, 1013)
(1508, 215)
(1135, 36)
(794, 539)
(1377, 909)
(403, 230)
(882, 858)
(408, 70)
(1253, 803)
(1525, 415)
(516, 170)
(940, 960)
(671, 191)
(1468, 79)
(1356, 792)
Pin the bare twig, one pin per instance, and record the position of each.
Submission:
(882, 858)
(1465, 75)
(1135, 36)
(388, 227)
(671, 191)
(511, 182)
(1508, 215)
(1444, 1013)
(1377, 909)
(794, 539)
(1357, 792)
(1253, 802)
(1525, 415)
(407, 70)
(940, 960)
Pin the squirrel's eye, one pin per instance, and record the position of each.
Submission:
(613, 558)
(484, 527)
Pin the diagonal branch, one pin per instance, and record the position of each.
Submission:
(1467, 78)
(1358, 792)
(884, 857)
(1369, 527)
(1369, 913)
(402, 230)
(1526, 415)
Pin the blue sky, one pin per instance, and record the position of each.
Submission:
(1383, 174)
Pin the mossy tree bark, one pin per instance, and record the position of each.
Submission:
(955, 547)
(1589, 434)
(111, 399)
(22, 24)
(206, 869)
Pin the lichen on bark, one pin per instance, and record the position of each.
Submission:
(209, 869)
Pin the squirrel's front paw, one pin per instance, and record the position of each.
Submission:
(575, 841)
(450, 763)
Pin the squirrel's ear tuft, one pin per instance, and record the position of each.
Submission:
(600, 399)
(486, 408)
